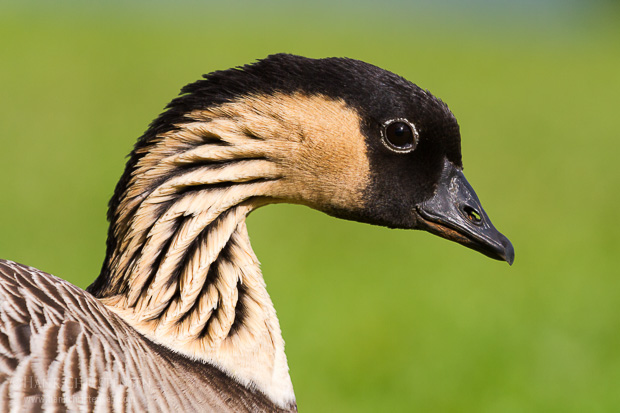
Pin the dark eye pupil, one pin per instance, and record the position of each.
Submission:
(400, 135)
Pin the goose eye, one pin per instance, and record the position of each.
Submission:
(400, 135)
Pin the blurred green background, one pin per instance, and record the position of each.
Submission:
(374, 319)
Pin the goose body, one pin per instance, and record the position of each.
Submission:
(61, 350)
(179, 318)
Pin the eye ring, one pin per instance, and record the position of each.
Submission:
(399, 135)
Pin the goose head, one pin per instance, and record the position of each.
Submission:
(354, 141)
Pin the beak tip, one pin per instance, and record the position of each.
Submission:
(509, 252)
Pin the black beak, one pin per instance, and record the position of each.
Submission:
(455, 213)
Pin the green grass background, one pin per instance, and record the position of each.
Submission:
(374, 319)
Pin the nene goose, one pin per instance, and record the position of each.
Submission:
(179, 318)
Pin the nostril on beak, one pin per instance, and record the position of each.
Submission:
(472, 214)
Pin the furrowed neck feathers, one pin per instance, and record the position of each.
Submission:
(180, 268)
